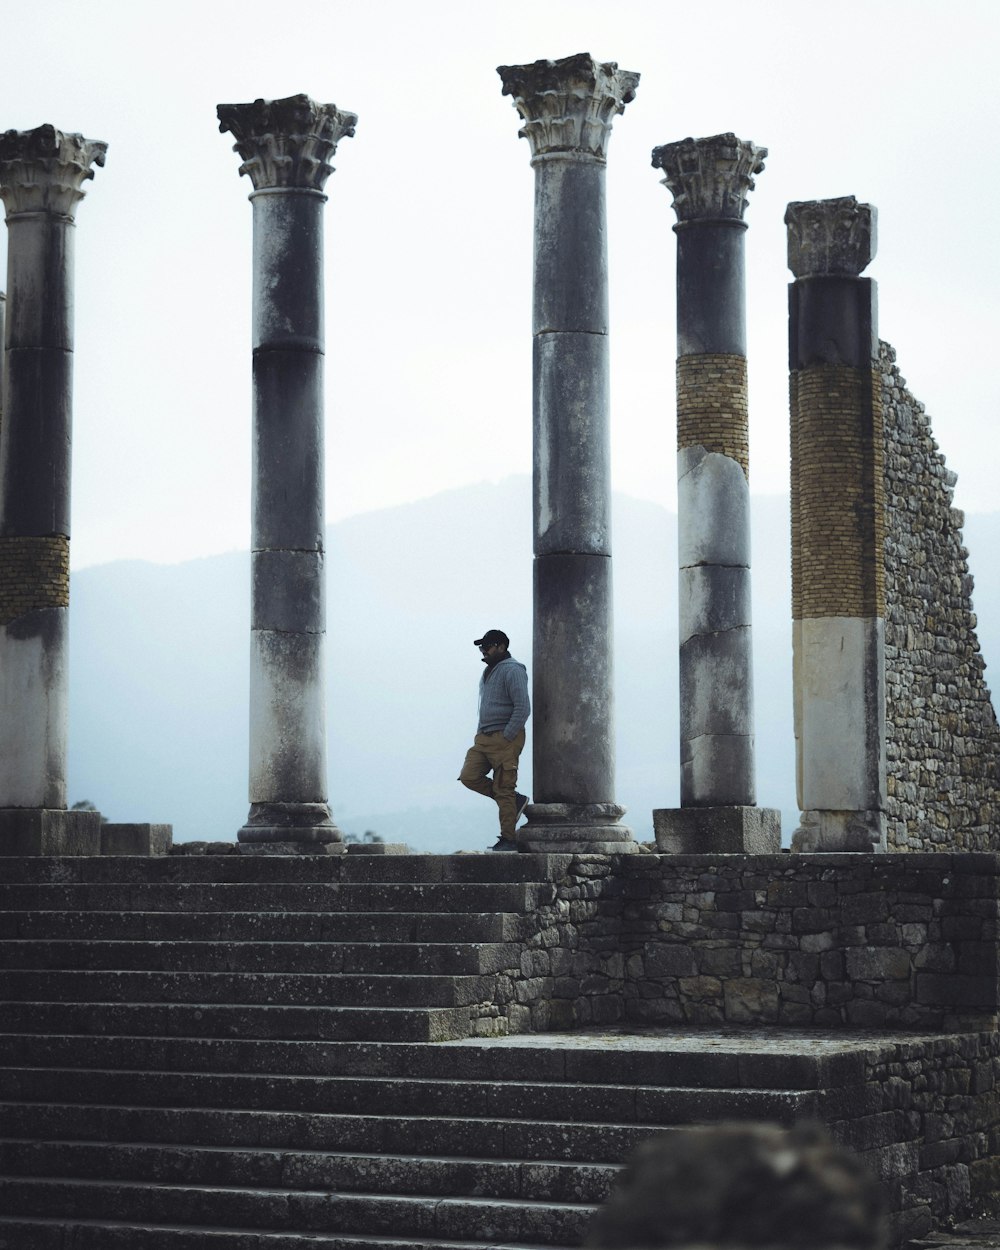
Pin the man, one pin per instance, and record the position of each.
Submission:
(503, 710)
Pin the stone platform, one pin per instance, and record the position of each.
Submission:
(269, 1049)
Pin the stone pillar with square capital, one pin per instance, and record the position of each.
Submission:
(568, 107)
(838, 527)
(42, 173)
(286, 146)
(709, 179)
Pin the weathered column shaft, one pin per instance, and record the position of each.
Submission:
(838, 527)
(3, 356)
(285, 145)
(568, 107)
(573, 690)
(41, 176)
(709, 179)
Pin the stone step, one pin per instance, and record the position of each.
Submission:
(594, 1142)
(408, 1024)
(483, 1061)
(264, 988)
(303, 1211)
(685, 1064)
(541, 1180)
(45, 1234)
(262, 926)
(324, 896)
(427, 958)
(278, 868)
(406, 1096)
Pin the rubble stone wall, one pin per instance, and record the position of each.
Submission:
(923, 1115)
(942, 739)
(825, 941)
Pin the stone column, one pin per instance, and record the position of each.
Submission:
(42, 173)
(709, 180)
(3, 353)
(838, 527)
(568, 107)
(286, 146)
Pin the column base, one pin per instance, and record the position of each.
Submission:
(290, 829)
(49, 831)
(822, 831)
(136, 839)
(575, 828)
(717, 830)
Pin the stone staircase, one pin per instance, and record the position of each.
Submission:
(232, 1052)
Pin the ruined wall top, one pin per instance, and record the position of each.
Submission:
(710, 178)
(286, 143)
(831, 238)
(43, 170)
(568, 105)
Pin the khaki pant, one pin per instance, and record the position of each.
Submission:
(492, 752)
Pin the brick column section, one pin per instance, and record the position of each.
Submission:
(568, 107)
(838, 527)
(709, 180)
(286, 146)
(42, 173)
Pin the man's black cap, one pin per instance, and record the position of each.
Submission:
(492, 636)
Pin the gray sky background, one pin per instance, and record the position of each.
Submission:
(429, 230)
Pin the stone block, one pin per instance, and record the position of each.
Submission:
(573, 612)
(713, 510)
(288, 273)
(288, 591)
(718, 830)
(713, 599)
(49, 831)
(711, 288)
(136, 839)
(377, 848)
(572, 502)
(749, 1001)
(833, 321)
(288, 495)
(669, 959)
(716, 672)
(571, 264)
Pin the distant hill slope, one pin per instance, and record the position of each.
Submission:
(159, 664)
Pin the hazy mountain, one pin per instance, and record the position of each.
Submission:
(159, 668)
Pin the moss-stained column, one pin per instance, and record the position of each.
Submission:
(709, 180)
(286, 146)
(838, 527)
(42, 173)
(568, 107)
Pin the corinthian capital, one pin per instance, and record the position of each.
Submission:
(710, 178)
(831, 237)
(43, 170)
(568, 105)
(286, 143)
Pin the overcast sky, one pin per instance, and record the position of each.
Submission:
(428, 230)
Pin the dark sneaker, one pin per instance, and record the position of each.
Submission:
(521, 801)
(504, 844)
